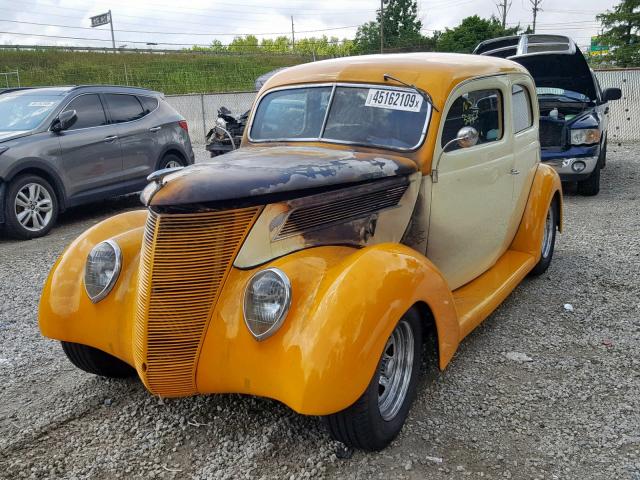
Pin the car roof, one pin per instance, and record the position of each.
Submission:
(437, 73)
(65, 90)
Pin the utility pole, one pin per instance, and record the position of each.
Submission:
(113, 38)
(536, 7)
(381, 26)
(503, 8)
(293, 35)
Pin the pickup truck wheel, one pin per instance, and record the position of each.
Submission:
(96, 361)
(375, 419)
(591, 186)
(170, 160)
(548, 241)
(31, 207)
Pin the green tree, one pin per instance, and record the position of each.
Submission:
(622, 33)
(470, 32)
(401, 29)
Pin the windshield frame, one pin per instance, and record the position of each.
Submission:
(334, 85)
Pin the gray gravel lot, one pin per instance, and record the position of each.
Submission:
(535, 392)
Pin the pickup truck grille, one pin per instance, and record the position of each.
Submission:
(184, 261)
(551, 133)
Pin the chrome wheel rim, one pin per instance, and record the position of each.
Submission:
(548, 233)
(395, 368)
(33, 207)
(173, 164)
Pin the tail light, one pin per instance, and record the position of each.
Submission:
(183, 125)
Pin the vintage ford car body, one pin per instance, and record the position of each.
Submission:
(375, 200)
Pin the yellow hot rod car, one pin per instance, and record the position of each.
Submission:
(374, 201)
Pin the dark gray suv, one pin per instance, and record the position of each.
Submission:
(66, 146)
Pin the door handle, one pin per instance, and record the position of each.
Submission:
(154, 129)
(110, 138)
(514, 172)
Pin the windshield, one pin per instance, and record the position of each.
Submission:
(25, 112)
(561, 92)
(372, 116)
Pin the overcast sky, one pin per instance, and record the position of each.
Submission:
(199, 21)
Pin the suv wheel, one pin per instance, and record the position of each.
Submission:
(170, 160)
(590, 186)
(31, 207)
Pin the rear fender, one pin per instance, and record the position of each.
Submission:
(345, 304)
(546, 186)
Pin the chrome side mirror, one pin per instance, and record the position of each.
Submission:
(466, 137)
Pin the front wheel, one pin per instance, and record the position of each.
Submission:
(95, 361)
(31, 207)
(548, 241)
(590, 186)
(377, 417)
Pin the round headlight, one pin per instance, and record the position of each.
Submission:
(266, 302)
(102, 269)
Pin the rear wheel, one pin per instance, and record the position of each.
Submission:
(375, 419)
(96, 361)
(31, 207)
(170, 160)
(548, 240)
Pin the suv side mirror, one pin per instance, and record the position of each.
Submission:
(64, 121)
(611, 94)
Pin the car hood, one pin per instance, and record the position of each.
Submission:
(258, 175)
(560, 70)
(11, 135)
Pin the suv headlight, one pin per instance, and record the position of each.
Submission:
(266, 302)
(102, 269)
(585, 136)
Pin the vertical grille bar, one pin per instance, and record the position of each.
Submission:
(184, 261)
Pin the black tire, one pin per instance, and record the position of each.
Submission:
(603, 156)
(96, 361)
(361, 425)
(547, 254)
(13, 211)
(590, 186)
(171, 160)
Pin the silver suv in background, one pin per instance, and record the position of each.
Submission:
(66, 146)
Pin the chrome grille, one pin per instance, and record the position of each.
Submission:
(184, 261)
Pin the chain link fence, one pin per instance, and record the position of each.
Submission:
(623, 113)
(201, 110)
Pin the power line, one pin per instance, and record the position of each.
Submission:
(536, 7)
(503, 8)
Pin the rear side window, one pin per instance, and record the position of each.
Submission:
(480, 109)
(124, 108)
(89, 111)
(149, 104)
(522, 114)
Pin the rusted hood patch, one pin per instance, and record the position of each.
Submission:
(265, 171)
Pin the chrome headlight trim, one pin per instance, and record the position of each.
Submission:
(286, 304)
(114, 277)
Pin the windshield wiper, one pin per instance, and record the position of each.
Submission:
(422, 93)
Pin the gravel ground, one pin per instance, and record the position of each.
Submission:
(535, 392)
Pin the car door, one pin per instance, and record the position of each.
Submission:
(471, 201)
(526, 146)
(90, 149)
(137, 136)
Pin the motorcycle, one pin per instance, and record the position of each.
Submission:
(227, 132)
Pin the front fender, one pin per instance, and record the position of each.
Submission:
(66, 312)
(345, 303)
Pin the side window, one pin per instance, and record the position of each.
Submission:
(149, 104)
(89, 111)
(522, 114)
(124, 108)
(480, 109)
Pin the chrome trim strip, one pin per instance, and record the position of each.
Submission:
(332, 141)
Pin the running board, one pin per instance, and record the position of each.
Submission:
(477, 299)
